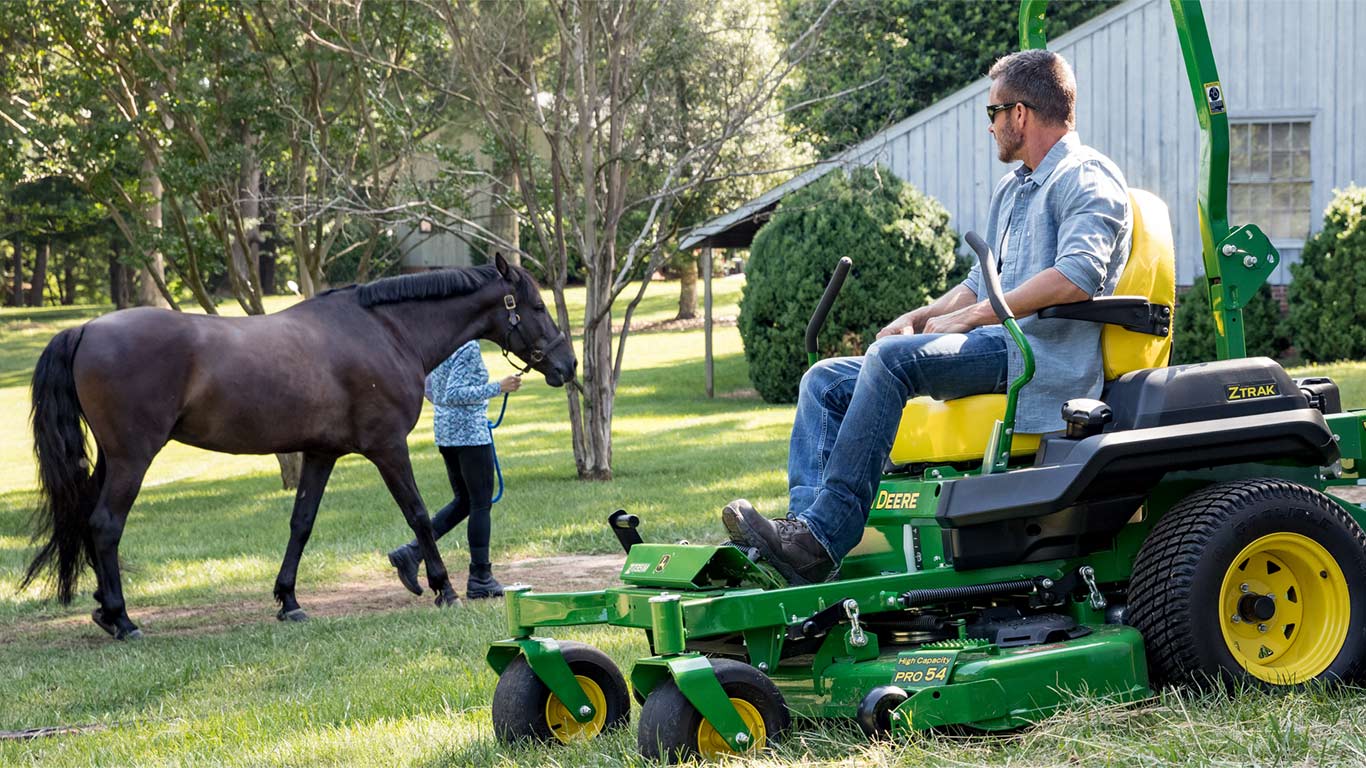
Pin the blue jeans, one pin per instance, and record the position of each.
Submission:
(848, 411)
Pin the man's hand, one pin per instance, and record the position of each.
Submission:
(510, 384)
(960, 321)
(909, 323)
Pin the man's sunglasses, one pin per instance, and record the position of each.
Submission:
(994, 109)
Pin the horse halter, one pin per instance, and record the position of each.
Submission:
(537, 354)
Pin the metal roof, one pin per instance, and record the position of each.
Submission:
(737, 228)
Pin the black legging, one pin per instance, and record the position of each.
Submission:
(470, 469)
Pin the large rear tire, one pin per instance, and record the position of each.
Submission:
(1252, 581)
(524, 708)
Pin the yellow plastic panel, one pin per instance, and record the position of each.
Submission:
(954, 430)
(1150, 272)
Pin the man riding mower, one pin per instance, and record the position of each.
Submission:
(1180, 528)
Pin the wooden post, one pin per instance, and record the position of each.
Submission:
(706, 302)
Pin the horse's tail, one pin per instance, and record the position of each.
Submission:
(67, 488)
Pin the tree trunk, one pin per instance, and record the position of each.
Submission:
(118, 287)
(68, 284)
(269, 239)
(504, 222)
(16, 297)
(597, 383)
(154, 271)
(687, 291)
(267, 272)
(246, 246)
(39, 282)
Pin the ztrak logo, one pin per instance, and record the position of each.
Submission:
(887, 500)
(1249, 391)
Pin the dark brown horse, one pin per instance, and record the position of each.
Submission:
(340, 373)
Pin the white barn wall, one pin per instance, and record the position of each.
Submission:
(1134, 104)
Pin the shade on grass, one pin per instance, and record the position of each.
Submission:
(219, 683)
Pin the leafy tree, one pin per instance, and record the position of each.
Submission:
(1328, 293)
(214, 116)
(47, 212)
(591, 88)
(1193, 339)
(905, 254)
(881, 61)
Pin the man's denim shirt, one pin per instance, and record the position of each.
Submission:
(1071, 213)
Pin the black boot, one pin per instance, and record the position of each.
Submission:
(787, 544)
(405, 559)
(481, 583)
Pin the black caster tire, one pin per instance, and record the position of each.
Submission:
(875, 711)
(672, 730)
(1259, 582)
(525, 709)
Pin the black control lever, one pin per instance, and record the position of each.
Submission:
(624, 525)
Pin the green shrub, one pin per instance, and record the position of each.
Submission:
(1328, 294)
(1193, 342)
(902, 248)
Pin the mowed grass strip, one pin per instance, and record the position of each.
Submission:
(383, 678)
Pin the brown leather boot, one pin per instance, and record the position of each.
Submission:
(787, 544)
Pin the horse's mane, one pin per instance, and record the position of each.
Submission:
(437, 284)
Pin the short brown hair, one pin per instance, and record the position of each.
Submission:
(1044, 80)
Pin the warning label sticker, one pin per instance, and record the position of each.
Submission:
(1214, 94)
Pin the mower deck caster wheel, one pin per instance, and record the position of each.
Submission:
(525, 709)
(875, 711)
(672, 730)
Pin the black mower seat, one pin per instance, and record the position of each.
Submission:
(945, 431)
(1082, 491)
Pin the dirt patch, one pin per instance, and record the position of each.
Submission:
(690, 324)
(565, 573)
(377, 593)
(28, 734)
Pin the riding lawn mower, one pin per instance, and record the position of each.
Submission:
(1181, 530)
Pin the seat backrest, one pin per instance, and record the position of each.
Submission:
(1150, 272)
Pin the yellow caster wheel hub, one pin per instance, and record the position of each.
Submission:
(562, 723)
(710, 743)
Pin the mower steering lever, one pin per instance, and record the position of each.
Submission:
(624, 525)
(832, 289)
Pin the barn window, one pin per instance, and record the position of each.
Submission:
(1269, 178)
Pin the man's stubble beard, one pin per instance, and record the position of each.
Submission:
(1008, 143)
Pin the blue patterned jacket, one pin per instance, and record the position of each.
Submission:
(460, 389)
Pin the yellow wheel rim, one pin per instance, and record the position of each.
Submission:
(710, 743)
(563, 724)
(1299, 631)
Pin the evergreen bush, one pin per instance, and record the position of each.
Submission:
(1263, 328)
(903, 252)
(1328, 293)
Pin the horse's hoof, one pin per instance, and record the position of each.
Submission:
(113, 629)
(448, 600)
(97, 616)
(296, 615)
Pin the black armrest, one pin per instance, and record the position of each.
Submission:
(1134, 313)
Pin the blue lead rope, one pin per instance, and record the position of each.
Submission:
(494, 448)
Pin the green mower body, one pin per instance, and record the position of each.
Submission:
(1182, 530)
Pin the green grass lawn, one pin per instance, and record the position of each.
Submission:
(383, 678)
